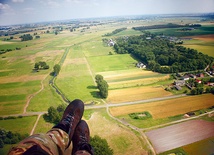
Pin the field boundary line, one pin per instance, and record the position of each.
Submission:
(134, 128)
(178, 121)
(89, 69)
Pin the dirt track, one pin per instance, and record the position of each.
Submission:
(178, 135)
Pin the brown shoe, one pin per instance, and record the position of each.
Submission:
(81, 139)
(71, 117)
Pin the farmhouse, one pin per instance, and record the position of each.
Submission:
(185, 78)
(192, 76)
(179, 82)
(200, 75)
(111, 42)
(140, 65)
(210, 84)
(198, 81)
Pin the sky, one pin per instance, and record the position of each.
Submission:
(30, 11)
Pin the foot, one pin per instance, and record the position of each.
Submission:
(71, 117)
(81, 138)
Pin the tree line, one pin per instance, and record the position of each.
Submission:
(102, 85)
(161, 26)
(115, 32)
(161, 55)
(8, 137)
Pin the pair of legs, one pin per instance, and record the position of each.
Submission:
(70, 129)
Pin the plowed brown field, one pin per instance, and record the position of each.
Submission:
(178, 135)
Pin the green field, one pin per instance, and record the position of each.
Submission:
(22, 125)
(203, 30)
(205, 47)
(112, 62)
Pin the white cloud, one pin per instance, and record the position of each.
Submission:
(4, 7)
(18, 1)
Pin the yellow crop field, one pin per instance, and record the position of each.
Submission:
(167, 108)
(138, 82)
(132, 78)
(137, 93)
(126, 74)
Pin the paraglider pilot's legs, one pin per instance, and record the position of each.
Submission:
(58, 139)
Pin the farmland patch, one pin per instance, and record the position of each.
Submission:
(136, 93)
(178, 135)
(112, 62)
(205, 147)
(167, 108)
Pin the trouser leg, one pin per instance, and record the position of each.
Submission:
(54, 142)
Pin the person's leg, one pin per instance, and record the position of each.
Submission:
(81, 140)
(58, 138)
(52, 143)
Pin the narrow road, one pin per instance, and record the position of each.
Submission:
(134, 102)
(134, 128)
(37, 120)
(178, 121)
(34, 94)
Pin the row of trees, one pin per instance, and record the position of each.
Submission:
(8, 137)
(115, 32)
(41, 65)
(102, 85)
(161, 55)
(169, 25)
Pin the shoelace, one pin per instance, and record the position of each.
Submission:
(83, 139)
(68, 120)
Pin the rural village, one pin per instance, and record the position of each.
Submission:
(147, 82)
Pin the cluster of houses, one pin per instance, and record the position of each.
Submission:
(178, 84)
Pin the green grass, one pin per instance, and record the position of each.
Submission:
(14, 96)
(46, 98)
(128, 32)
(19, 84)
(203, 49)
(175, 31)
(112, 62)
(5, 149)
(15, 107)
(22, 125)
(96, 48)
(43, 126)
(87, 114)
(77, 87)
(13, 45)
(7, 98)
(150, 121)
